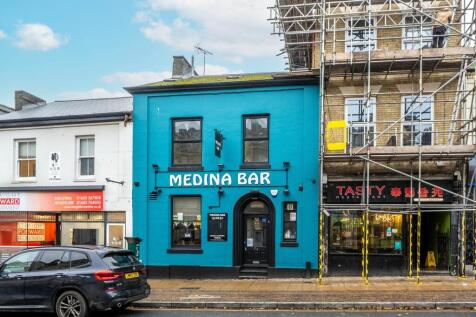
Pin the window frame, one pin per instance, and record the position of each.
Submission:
(185, 248)
(79, 157)
(244, 139)
(17, 160)
(349, 43)
(406, 40)
(416, 123)
(285, 210)
(186, 166)
(363, 124)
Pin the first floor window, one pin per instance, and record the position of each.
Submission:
(187, 142)
(186, 221)
(86, 156)
(385, 232)
(290, 221)
(256, 139)
(360, 35)
(26, 159)
(417, 126)
(359, 111)
(413, 29)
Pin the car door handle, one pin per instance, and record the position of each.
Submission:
(18, 277)
(59, 275)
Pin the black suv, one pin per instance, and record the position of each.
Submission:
(71, 281)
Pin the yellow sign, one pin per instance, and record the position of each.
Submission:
(336, 136)
(430, 260)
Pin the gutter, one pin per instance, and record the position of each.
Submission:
(51, 188)
(302, 80)
(33, 122)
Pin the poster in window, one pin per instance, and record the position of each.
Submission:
(54, 166)
(217, 227)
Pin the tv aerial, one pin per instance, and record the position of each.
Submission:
(205, 52)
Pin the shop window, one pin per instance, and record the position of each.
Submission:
(385, 233)
(290, 221)
(415, 132)
(187, 142)
(360, 35)
(85, 236)
(86, 156)
(186, 221)
(256, 139)
(357, 114)
(412, 31)
(20, 263)
(115, 235)
(26, 159)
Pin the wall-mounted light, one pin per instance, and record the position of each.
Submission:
(221, 167)
(156, 168)
(221, 192)
(301, 187)
(108, 180)
(286, 191)
(286, 165)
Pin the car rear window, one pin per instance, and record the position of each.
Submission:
(120, 259)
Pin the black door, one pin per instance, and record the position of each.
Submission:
(85, 236)
(12, 278)
(256, 250)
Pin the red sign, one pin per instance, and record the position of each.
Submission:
(52, 201)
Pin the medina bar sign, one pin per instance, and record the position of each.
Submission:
(388, 192)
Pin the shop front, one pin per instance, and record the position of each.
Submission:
(392, 227)
(226, 180)
(32, 217)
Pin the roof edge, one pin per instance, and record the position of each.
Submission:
(307, 79)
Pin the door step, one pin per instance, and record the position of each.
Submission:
(248, 272)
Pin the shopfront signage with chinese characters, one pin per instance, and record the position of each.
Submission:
(388, 192)
(55, 166)
(52, 201)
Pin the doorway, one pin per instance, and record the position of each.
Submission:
(254, 231)
(435, 242)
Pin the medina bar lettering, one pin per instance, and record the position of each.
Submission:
(388, 192)
(219, 179)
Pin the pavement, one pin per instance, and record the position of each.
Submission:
(336, 293)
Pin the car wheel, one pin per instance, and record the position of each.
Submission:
(71, 304)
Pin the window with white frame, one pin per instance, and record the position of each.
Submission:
(85, 152)
(416, 25)
(359, 111)
(26, 159)
(360, 35)
(415, 108)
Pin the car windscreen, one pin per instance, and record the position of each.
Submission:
(114, 260)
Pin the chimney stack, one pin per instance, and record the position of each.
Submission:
(23, 98)
(182, 69)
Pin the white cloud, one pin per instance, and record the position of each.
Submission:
(136, 78)
(38, 37)
(91, 94)
(2, 35)
(230, 29)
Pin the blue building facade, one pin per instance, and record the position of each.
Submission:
(226, 176)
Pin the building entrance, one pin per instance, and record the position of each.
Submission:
(256, 249)
(435, 241)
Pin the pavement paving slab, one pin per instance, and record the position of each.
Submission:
(434, 292)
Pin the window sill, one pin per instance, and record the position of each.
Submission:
(185, 250)
(186, 168)
(24, 180)
(289, 244)
(255, 166)
(83, 180)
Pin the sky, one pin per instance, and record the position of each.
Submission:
(77, 49)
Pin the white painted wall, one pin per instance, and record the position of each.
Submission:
(113, 159)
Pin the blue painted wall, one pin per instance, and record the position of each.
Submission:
(294, 131)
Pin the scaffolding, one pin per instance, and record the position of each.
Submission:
(370, 52)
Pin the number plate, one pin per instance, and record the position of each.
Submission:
(131, 275)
